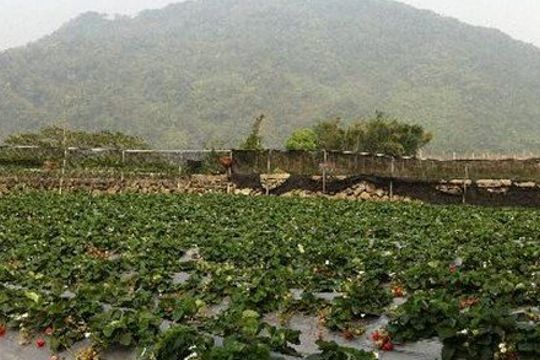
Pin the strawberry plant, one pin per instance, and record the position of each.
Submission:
(180, 342)
(361, 297)
(332, 351)
(125, 327)
(78, 266)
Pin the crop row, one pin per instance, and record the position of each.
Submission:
(107, 268)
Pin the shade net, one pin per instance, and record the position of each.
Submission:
(114, 162)
(31, 160)
(358, 164)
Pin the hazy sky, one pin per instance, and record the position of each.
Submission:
(22, 21)
(519, 18)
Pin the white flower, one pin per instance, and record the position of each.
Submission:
(327, 262)
(192, 356)
(87, 335)
(464, 332)
(301, 249)
(21, 317)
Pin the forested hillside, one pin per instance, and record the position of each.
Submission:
(197, 74)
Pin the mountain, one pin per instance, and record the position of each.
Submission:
(198, 73)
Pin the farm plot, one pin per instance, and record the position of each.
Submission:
(225, 277)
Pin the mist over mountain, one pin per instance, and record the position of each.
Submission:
(197, 73)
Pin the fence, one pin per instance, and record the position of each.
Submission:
(354, 164)
(108, 162)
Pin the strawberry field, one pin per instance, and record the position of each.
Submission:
(222, 277)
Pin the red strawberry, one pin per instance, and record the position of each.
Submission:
(2, 330)
(49, 331)
(375, 336)
(40, 343)
(388, 346)
(397, 291)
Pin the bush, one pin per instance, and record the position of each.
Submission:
(302, 139)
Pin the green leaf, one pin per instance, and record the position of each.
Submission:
(32, 296)
(126, 339)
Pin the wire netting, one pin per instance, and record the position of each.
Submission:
(49, 161)
(109, 162)
(355, 164)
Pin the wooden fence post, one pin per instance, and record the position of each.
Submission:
(123, 165)
(465, 184)
(230, 172)
(325, 160)
(268, 171)
(63, 171)
(392, 170)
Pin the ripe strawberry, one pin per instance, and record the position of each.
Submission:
(40, 343)
(49, 331)
(376, 336)
(398, 292)
(2, 330)
(388, 346)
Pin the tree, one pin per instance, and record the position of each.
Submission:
(330, 135)
(355, 137)
(56, 137)
(380, 134)
(387, 135)
(302, 139)
(254, 140)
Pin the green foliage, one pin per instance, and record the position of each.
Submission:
(179, 308)
(475, 88)
(55, 137)
(248, 328)
(126, 327)
(389, 136)
(118, 256)
(179, 342)
(423, 314)
(302, 139)
(362, 297)
(477, 332)
(254, 140)
(330, 135)
(381, 134)
(332, 351)
(235, 350)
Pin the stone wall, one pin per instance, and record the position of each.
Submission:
(144, 185)
(483, 192)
